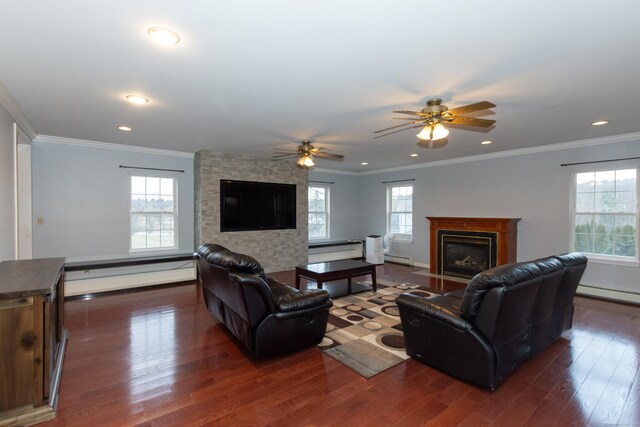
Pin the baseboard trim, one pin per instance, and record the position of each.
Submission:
(608, 294)
(399, 259)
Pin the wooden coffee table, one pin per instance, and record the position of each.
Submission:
(334, 270)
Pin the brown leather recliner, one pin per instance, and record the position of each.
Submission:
(268, 317)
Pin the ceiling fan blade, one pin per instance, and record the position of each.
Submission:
(399, 130)
(318, 150)
(439, 143)
(284, 150)
(397, 126)
(415, 113)
(284, 156)
(472, 121)
(482, 105)
(329, 156)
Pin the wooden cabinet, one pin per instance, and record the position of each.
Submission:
(32, 338)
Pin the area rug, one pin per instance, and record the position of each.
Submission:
(364, 331)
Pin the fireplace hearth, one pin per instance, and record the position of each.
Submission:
(464, 247)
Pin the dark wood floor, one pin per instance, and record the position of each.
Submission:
(158, 358)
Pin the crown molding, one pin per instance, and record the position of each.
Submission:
(614, 139)
(110, 146)
(337, 172)
(7, 100)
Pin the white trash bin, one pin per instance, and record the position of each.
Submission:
(374, 252)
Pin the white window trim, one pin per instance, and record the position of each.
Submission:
(327, 204)
(599, 258)
(155, 251)
(399, 237)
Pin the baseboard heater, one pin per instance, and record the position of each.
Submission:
(398, 259)
(609, 294)
(112, 279)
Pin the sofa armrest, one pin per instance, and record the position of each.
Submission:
(304, 312)
(260, 287)
(425, 306)
(301, 300)
(436, 334)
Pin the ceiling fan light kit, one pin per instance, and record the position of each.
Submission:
(432, 117)
(306, 161)
(433, 132)
(306, 153)
(425, 133)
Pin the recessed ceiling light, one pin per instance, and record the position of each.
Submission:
(413, 155)
(364, 163)
(487, 142)
(600, 123)
(137, 99)
(125, 128)
(163, 35)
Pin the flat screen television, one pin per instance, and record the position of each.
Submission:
(249, 205)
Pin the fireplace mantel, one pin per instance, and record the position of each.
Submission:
(505, 228)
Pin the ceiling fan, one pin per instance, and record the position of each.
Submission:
(306, 153)
(432, 117)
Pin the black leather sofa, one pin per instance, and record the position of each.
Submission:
(268, 317)
(503, 317)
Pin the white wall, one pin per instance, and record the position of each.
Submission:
(7, 186)
(533, 187)
(83, 196)
(344, 204)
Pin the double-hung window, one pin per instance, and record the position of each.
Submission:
(153, 213)
(318, 212)
(606, 213)
(400, 211)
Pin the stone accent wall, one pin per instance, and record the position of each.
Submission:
(276, 250)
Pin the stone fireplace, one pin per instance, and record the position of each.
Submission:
(464, 247)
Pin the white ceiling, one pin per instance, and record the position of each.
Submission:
(250, 76)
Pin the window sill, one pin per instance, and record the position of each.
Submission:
(610, 261)
(152, 252)
(401, 241)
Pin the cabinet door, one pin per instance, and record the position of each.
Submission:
(53, 331)
(20, 342)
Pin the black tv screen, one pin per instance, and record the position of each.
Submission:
(248, 205)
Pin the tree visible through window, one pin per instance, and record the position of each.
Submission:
(400, 210)
(318, 212)
(153, 213)
(606, 213)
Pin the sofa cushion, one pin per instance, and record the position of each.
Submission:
(572, 259)
(502, 276)
(237, 263)
(207, 249)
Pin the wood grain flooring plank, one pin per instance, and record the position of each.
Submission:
(158, 358)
